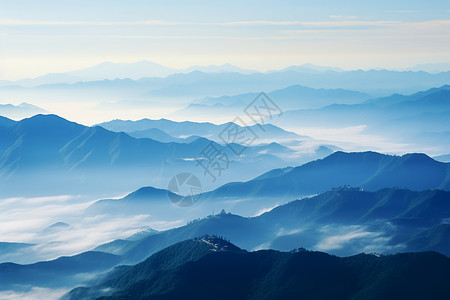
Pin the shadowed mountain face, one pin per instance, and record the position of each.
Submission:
(208, 268)
(342, 222)
(47, 153)
(367, 170)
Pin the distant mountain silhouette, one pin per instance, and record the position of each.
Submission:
(187, 131)
(188, 128)
(208, 268)
(289, 98)
(417, 121)
(393, 109)
(110, 70)
(311, 68)
(218, 69)
(398, 98)
(442, 158)
(23, 110)
(159, 135)
(63, 271)
(431, 67)
(183, 87)
(146, 198)
(7, 248)
(57, 226)
(294, 97)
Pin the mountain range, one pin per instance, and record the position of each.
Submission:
(367, 170)
(259, 203)
(147, 69)
(294, 97)
(199, 268)
(186, 129)
(418, 121)
(386, 221)
(289, 98)
(182, 88)
(430, 67)
(18, 112)
(395, 108)
(110, 70)
(420, 107)
(342, 221)
(63, 271)
(77, 158)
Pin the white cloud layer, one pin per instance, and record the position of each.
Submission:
(26, 220)
(35, 293)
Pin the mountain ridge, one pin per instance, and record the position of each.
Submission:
(258, 275)
(373, 171)
(74, 155)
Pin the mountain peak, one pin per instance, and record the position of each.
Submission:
(217, 244)
(417, 157)
(46, 120)
(147, 192)
(338, 155)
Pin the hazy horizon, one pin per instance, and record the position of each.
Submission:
(424, 67)
(51, 37)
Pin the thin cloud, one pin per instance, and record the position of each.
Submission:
(402, 11)
(341, 22)
(12, 22)
(156, 22)
(245, 23)
(34, 294)
(264, 210)
(340, 17)
(350, 23)
(338, 237)
(338, 241)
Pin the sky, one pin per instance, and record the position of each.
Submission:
(39, 37)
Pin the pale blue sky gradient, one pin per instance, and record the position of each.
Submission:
(38, 37)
